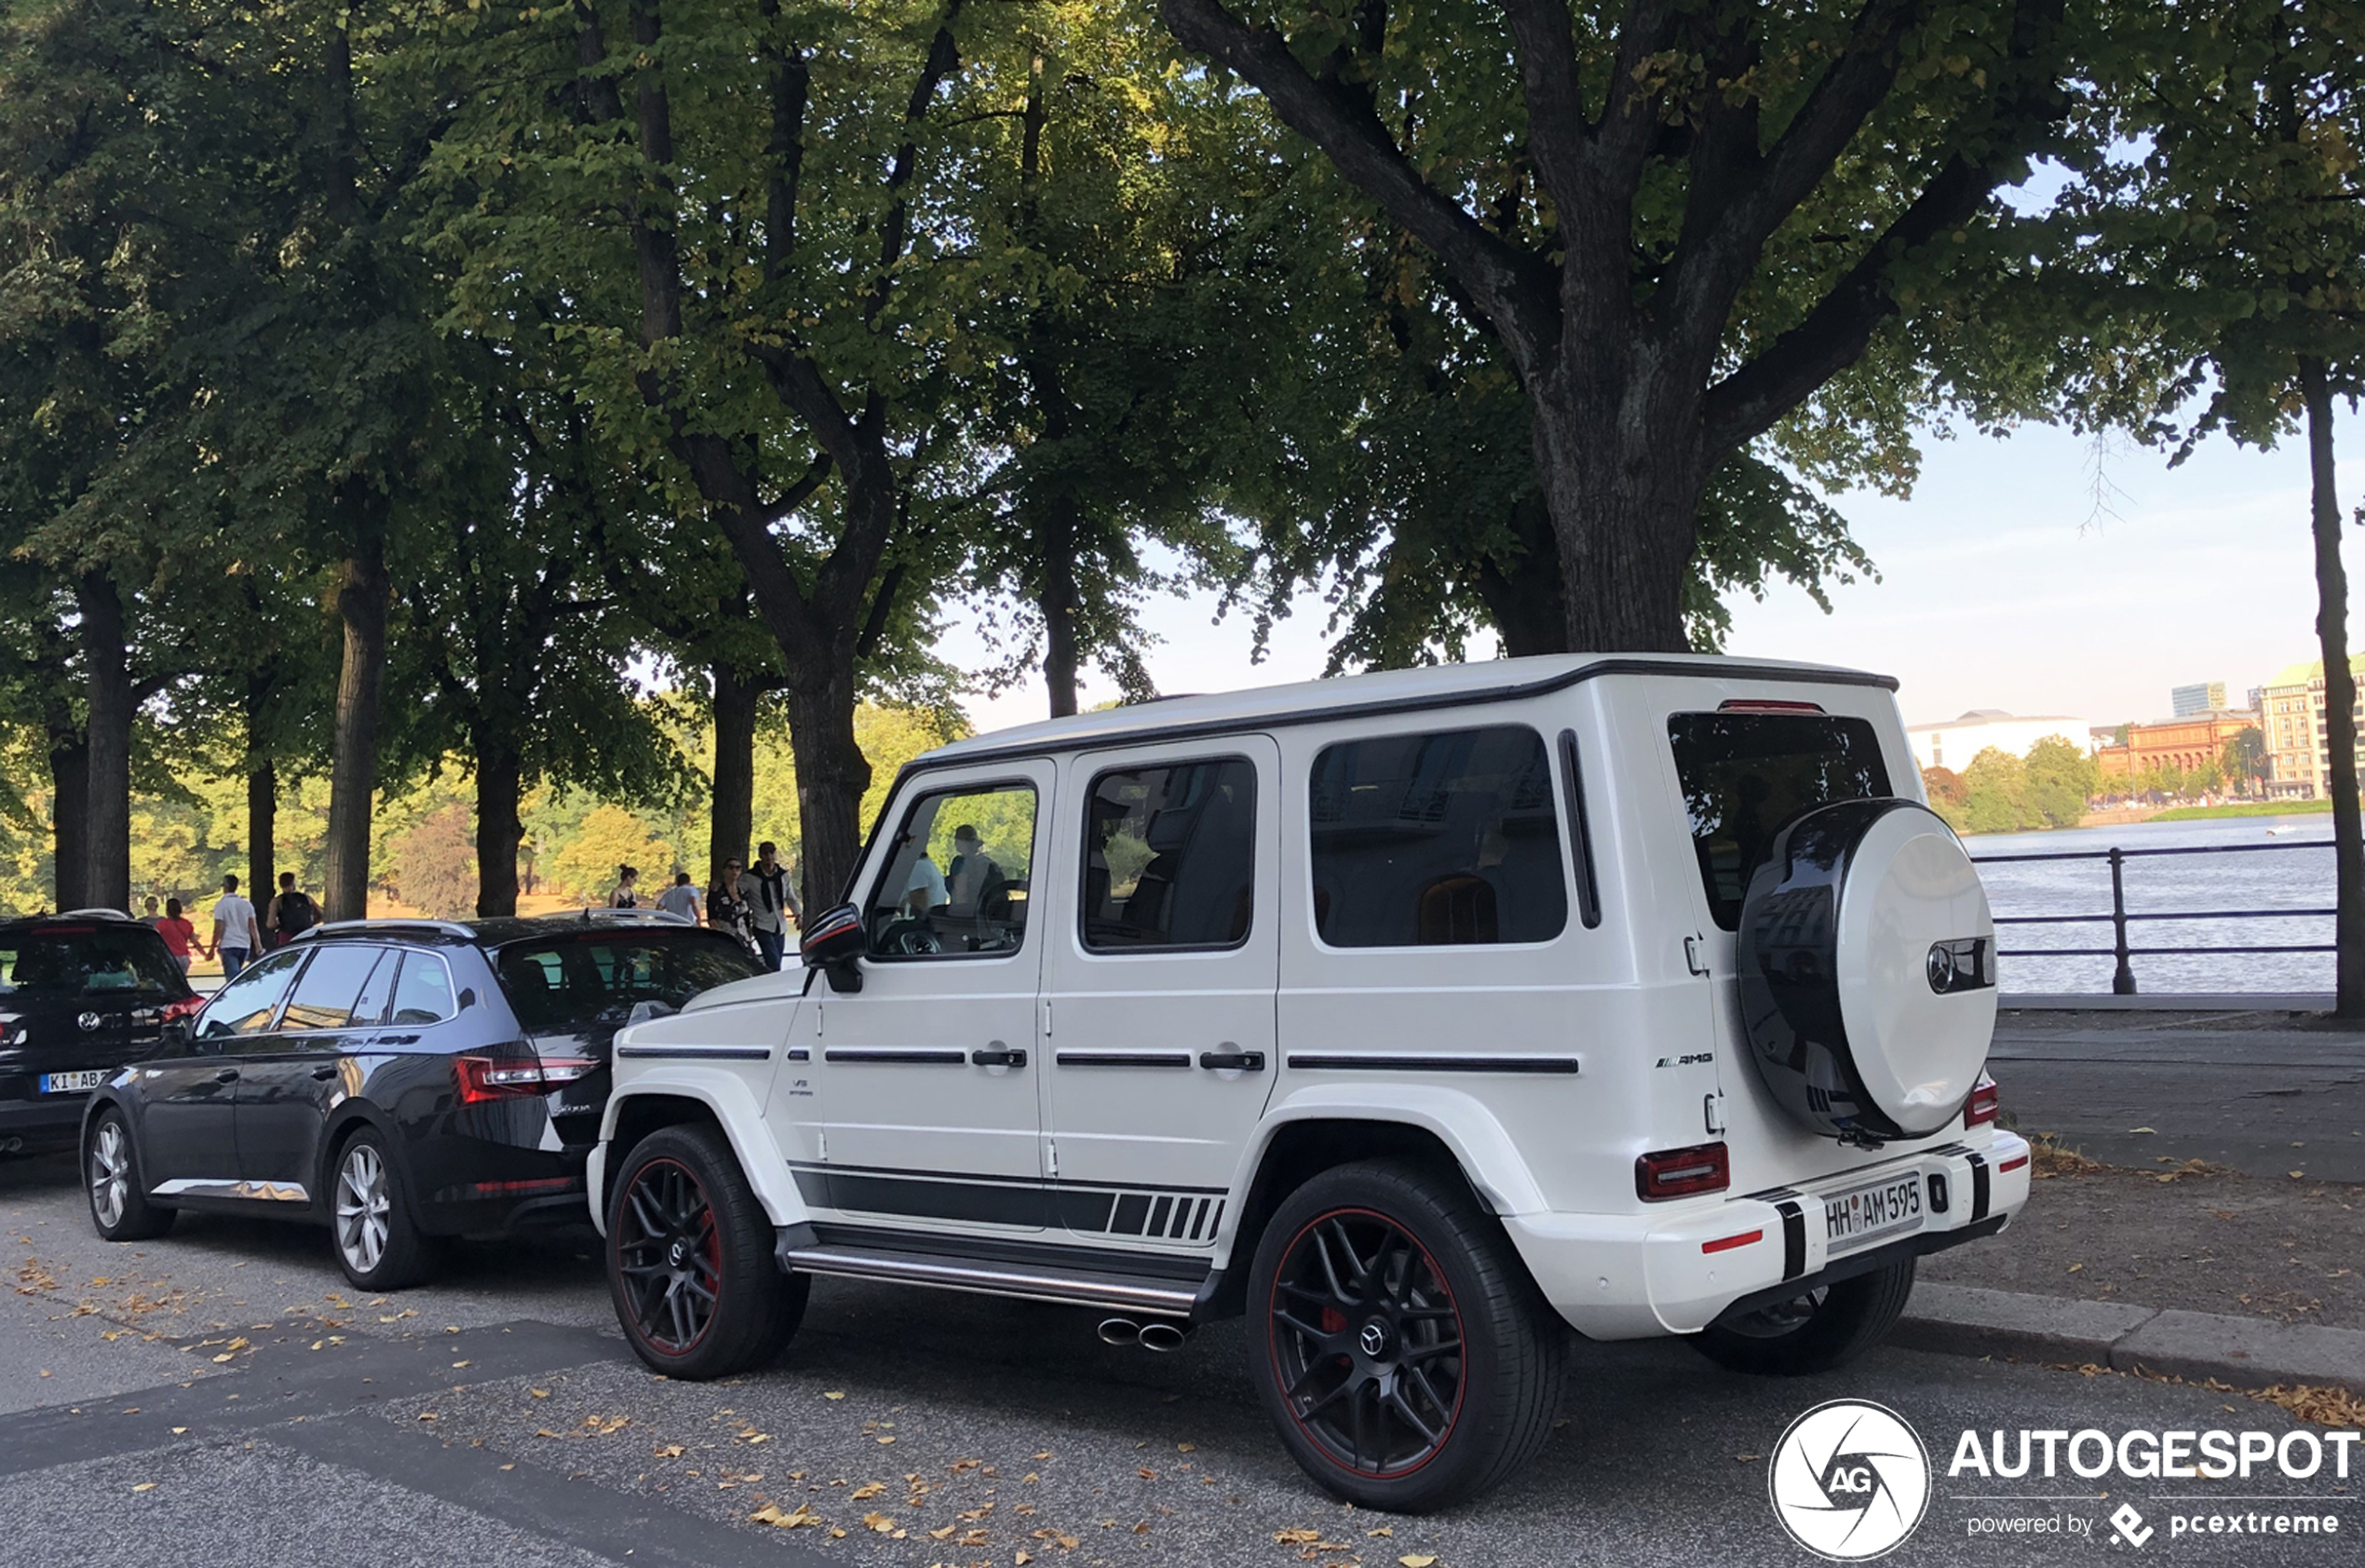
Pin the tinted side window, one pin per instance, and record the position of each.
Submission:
(1745, 775)
(325, 994)
(569, 983)
(1171, 855)
(957, 880)
(84, 961)
(423, 993)
(1436, 839)
(245, 1005)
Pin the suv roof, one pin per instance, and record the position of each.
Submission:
(1350, 697)
(495, 930)
(45, 918)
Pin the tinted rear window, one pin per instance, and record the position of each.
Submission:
(1745, 775)
(89, 962)
(568, 982)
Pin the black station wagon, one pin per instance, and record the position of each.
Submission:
(404, 1082)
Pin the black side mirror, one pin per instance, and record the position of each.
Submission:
(177, 1034)
(832, 942)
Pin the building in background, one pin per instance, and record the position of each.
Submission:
(1952, 745)
(2293, 716)
(2184, 746)
(2208, 697)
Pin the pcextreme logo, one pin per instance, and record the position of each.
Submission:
(1850, 1480)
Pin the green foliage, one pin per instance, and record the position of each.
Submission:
(2058, 779)
(1995, 794)
(2001, 793)
(435, 867)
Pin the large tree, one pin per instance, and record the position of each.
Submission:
(1678, 221)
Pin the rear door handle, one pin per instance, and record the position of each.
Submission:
(1239, 1061)
(998, 1054)
(326, 1070)
(227, 1076)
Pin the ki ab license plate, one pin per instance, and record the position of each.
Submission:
(1869, 1214)
(73, 1083)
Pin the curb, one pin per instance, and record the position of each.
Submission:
(2246, 1352)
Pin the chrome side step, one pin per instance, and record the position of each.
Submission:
(1030, 1281)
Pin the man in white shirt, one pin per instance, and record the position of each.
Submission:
(681, 899)
(923, 889)
(771, 903)
(234, 934)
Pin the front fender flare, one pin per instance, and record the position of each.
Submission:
(736, 1107)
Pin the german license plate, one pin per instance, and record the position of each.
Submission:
(73, 1083)
(1867, 1213)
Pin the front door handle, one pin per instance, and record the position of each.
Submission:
(326, 1070)
(1233, 1061)
(996, 1054)
(227, 1076)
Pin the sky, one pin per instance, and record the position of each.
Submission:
(2002, 585)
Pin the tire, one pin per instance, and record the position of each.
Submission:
(371, 1224)
(1808, 1335)
(119, 1206)
(684, 1224)
(1405, 1357)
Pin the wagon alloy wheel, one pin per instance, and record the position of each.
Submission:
(365, 1206)
(1368, 1343)
(669, 1256)
(110, 1174)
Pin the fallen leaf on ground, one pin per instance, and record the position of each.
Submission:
(539, 1393)
(770, 1513)
(1416, 1560)
(1296, 1538)
(145, 1486)
(833, 1394)
(867, 1490)
(667, 1451)
(879, 1522)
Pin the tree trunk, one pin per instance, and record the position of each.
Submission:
(353, 768)
(733, 818)
(69, 794)
(832, 774)
(1059, 600)
(500, 786)
(1626, 521)
(263, 788)
(1525, 601)
(2340, 701)
(106, 848)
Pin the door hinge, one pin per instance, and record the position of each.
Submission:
(816, 1019)
(1046, 1019)
(820, 1145)
(1695, 954)
(1712, 1111)
(1050, 1157)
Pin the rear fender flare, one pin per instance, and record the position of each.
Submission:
(733, 1102)
(1461, 1121)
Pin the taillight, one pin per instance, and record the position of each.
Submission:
(1767, 705)
(484, 1078)
(1986, 1102)
(1664, 1174)
(184, 1007)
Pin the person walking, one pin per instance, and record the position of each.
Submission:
(235, 935)
(152, 917)
(177, 934)
(725, 910)
(627, 891)
(291, 912)
(772, 903)
(682, 899)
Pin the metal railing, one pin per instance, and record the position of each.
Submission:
(2120, 916)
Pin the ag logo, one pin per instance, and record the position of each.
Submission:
(1849, 1480)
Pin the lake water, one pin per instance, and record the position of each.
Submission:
(2265, 879)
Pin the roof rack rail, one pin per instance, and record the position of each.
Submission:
(634, 916)
(390, 921)
(96, 913)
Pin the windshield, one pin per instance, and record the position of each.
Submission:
(1746, 775)
(88, 961)
(573, 982)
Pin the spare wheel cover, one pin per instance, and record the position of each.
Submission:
(1902, 993)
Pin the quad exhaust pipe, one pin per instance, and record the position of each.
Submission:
(1155, 1335)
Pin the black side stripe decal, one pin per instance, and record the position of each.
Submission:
(947, 1058)
(1124, 1059)
(699, 1053)
(1171, 1216)
(1325, 1061)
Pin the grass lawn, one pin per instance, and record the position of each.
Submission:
(2266, 808)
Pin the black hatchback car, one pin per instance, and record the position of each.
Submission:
(404, 1082)
(81, 994)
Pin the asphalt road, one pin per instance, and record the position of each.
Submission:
(220, 1399)
(2261, 1092)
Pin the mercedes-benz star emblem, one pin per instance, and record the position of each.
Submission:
(1375, 1339)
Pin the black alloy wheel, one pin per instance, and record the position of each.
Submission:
(1367, 1343)
(1406, 1358)
(690, 1259)
(668, 1258)
(1825, 1328)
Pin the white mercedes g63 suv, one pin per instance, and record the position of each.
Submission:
(1419, 1017)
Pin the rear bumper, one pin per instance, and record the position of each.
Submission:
(474, 1187)
(48, 1118)
(1675, 1272)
